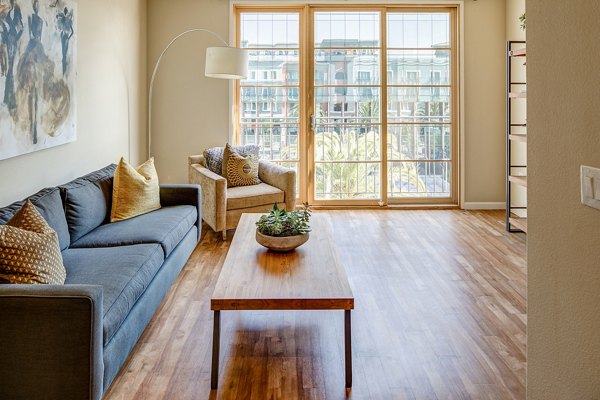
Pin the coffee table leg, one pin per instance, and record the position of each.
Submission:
(348, 347)
(214, 375)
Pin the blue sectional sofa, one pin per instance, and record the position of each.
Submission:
(69, 341)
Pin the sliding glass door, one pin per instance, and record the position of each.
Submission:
(346, 120)
(268, 101)
(361, 101)
(420, 90)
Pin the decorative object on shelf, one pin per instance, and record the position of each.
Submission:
(221, 62)
(282, 231)
(523, 21)
(38, 75)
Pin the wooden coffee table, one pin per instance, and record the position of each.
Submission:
(310, 278)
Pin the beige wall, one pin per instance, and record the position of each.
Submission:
(485, 104)
(111, 63)
(191, 112)
(563, 242)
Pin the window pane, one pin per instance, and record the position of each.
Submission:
(269, 30)
(348, 143)
(346, 67)
(347, 105)
(277, 103)
(269, 101)
(418, 30)
(419, 142)
(346, 29)
(277, 142)
(338, 180)
(272, 67)
(419, 179)
(418, 67)
(419, 104)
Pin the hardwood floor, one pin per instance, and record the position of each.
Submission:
(440, 313)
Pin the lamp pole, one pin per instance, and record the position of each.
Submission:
(151, 90)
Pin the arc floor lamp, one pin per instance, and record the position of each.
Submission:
(225, 62)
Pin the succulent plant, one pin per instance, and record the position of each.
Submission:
(280, 223)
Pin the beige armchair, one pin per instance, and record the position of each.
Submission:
(222, 207)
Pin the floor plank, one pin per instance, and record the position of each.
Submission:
(440, 313)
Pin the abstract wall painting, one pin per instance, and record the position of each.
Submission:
(38, 74)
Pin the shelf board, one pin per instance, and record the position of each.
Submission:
(520, 223)
(517, 95)
(517, 212)
(518, 52)
(519, 180)
(518, 137)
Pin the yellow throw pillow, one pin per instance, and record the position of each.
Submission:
(29, 250)
(135, 190)
(240, 170)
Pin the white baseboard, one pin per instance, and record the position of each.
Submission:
(483, 206)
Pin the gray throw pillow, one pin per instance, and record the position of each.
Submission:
(213, 157)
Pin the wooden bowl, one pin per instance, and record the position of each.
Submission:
(281, 244)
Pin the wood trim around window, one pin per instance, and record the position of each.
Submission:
(306, 79)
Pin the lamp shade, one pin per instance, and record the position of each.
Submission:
(226, 63)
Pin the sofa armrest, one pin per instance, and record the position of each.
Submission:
(214, 199)
(51, 340)
(281, 178)
(183, 194)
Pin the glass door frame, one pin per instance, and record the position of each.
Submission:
(455, 103)
(306, 190)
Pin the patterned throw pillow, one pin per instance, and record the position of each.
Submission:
(240, 170)
(29, 250)
(136, 191)
(213, 157)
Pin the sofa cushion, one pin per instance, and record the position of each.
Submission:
(252, 196)
(166, 227)
(123, 272)
(135, 190)
(49, 204)
(87, 201)
(29, 250)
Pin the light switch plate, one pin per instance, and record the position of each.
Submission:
(590, 186)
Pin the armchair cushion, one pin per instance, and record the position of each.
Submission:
(252, 196)
(239, 170)
(213, 157)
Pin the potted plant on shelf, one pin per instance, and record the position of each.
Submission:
(280, 230)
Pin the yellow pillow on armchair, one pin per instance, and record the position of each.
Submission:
(136, 191)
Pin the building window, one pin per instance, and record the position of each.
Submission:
(364, 76)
